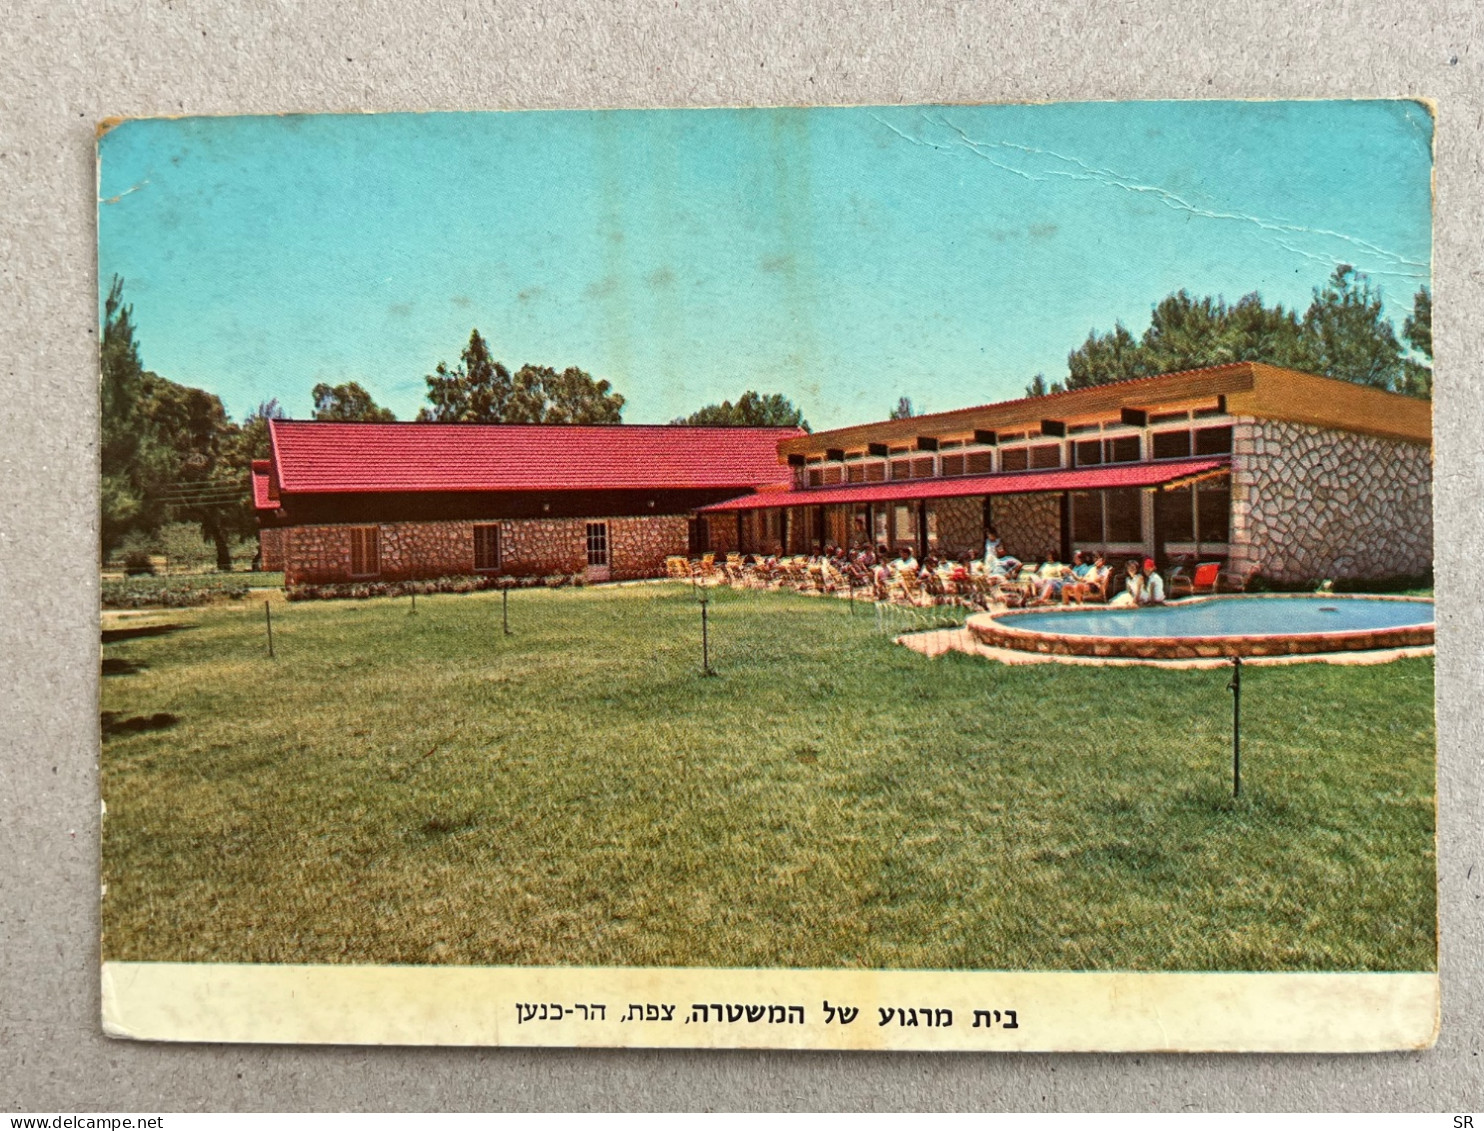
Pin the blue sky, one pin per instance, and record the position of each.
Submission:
(843, 257)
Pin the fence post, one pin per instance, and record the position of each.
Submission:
(268, 619)
(1235, 687)
(705, 640)
(505, 607)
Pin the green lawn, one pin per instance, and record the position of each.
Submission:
(424, 789)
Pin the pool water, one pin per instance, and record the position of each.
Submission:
(1232, 616)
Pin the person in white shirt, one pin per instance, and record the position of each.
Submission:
(1153, 592)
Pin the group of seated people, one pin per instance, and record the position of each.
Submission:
(1088, 577)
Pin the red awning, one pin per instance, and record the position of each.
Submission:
(1017, 483)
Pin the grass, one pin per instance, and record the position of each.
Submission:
(423, 789)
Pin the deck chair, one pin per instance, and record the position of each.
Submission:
(1202, 580)
(1230, 581)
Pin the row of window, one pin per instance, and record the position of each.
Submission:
(365, 548)
(1169, 444)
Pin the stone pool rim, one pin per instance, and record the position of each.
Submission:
(997, 630)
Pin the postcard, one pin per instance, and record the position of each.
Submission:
(933, 577)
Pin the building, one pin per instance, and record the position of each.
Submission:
(341, 502)
(1285, 474)
(1273, 472)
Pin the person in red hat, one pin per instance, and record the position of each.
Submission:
(1153, 591)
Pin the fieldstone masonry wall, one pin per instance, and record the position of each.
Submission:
(270, 548)
(960, 525)
(637, 547)
(1028, 525)
(1311, 503)
(426, 549)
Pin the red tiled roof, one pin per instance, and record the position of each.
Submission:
(260, 471)
(315, 456)
(1015, 483)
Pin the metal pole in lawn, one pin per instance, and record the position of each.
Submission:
(413, 613)
(268, 619)
(505, 607)
(705, 640)
(1235, 687)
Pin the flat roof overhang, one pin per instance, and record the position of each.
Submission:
(1015, 483)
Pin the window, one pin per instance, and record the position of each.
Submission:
(953, 464)
(597, 543)
(1124, 518)
(486, 549)
(1103, 517)
(901, 469)
(1086, 453)
(816, 476)
(1046, 455)
(1213, 441)
(922, 467)
(1087, 516)
(1174, 511)
(1213, 508)
(1016, 459)
(1171, 445)
(1122, 449)
(979, 463)
(1201, 513)
(365, 551)
(856, 473)
(904, 525)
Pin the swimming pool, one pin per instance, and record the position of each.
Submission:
(1255, 625)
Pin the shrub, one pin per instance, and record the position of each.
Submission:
(360, 590)
(169, 593)
(138, 563)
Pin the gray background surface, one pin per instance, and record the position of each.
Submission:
(66, 65)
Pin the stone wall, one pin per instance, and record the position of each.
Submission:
(538, 546)
(960, 525)
(1311, 503)
(270, 548)
(637, 547)
(1029, 525)
(426, 549)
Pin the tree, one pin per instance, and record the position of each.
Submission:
(120, 376)
(1039, 388)
(348, 402)
(1104, 358)
(752, 409)
(1342, 334)
(541, 395)
(1348, 335)
(478, 389)
(196, 473)
(252, 438)
(903, 411)
(1417, 330)
(483, 390)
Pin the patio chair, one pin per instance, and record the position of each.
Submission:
(1202, 580)
(1232, 581)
